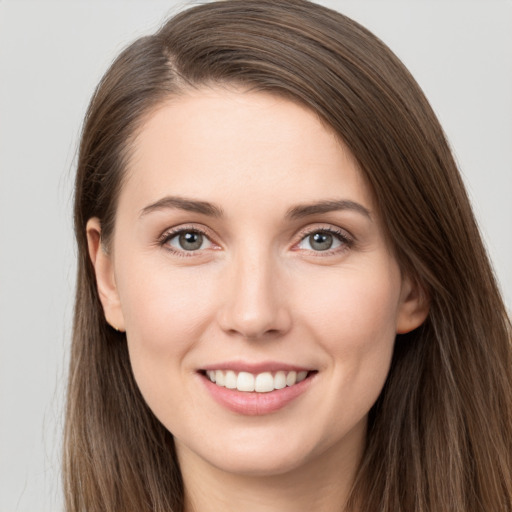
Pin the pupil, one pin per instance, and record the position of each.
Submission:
(320, 241)
(191, 241)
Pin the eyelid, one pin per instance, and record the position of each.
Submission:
(170, 233)
(347, 239)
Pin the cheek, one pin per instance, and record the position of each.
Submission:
(164, 307)
(353, 321)
(166, 312)
(353, 316)
(354, 300)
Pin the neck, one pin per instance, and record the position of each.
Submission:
(322, 484)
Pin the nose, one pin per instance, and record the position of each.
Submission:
(253, 302)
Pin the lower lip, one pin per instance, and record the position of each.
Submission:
(255, 404)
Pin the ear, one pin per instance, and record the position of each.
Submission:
(414, 306)
(105, 279)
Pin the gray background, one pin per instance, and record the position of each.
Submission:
(52, 54)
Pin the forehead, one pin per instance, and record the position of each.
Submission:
(237, 145)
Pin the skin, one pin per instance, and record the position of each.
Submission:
(256, 290)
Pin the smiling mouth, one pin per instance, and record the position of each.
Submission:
(263, 382)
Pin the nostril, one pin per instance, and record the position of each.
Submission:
(253, 314)
(257, 335)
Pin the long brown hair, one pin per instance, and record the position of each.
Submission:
(440, 434)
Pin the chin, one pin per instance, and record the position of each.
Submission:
(261, 454)
(266, 464)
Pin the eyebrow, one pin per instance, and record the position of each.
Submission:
(301, 211)
(181, 203)
(294, 213)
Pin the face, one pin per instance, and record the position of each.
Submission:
(247, 251)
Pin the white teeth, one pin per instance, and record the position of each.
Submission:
(291, 378)
(231, 380)
(280, 380)
(220, 378)
(261, 383)
(301, 376)
(245, 382)
(264, 383)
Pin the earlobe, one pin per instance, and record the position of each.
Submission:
(414, 307)
(105, 279)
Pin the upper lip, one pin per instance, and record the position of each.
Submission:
(255, 368)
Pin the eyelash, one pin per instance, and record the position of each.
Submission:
(347, 241)
(167, 236)
(342, 236)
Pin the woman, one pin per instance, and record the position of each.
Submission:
(283, 300)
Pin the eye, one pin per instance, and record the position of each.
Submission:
(323, 240)
(188, 240)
